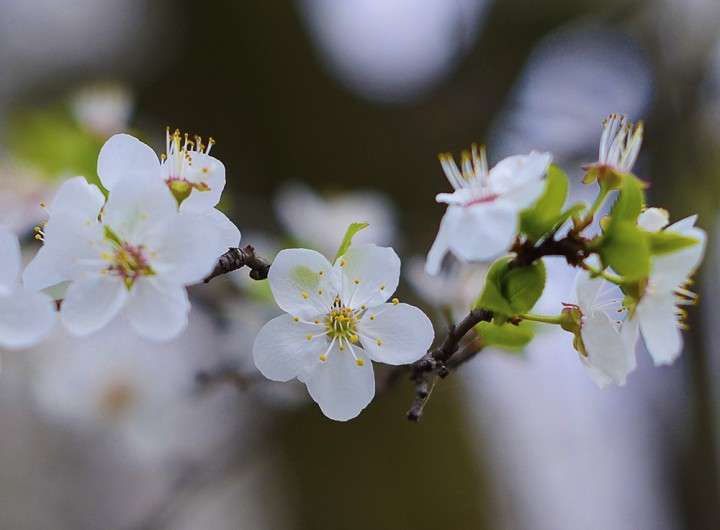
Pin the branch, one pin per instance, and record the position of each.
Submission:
(435, 360)
(572, 247)
(236, 258)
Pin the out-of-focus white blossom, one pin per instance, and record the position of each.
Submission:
(105, 109)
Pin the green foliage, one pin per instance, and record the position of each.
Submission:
(353, 229)
(541, 218)
(53, 143)
(511, 292)
(624, 246)
(667, 242)
(507, 336)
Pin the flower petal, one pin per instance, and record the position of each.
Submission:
(368, 275)
(228, 234)
(585, 290)
(300, 280)
(42, 271)
(609, 360)
(341, 387)
(90, 304)
(9, 260)
(485, 231)
(282, 351)
(518, 172)
(77, 195)
(206, 170)
(443, 240)
(660, 328)
(25, 319)
(398, 334)
(157, 310)
(125, 156)
(653, 219)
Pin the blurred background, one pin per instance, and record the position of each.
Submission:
(327, 112)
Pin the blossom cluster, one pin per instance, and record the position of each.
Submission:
(130, 247)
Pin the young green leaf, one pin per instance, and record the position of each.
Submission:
(663, 242)
(509, 291)
(353, 229)
(540, 219)
(506, 336)
(625, 248)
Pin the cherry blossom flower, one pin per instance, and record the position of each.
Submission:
(337, 321)
(25, 318)
(619, 147)
(133, 255)
(659, 312)
(606, 348)
(482, 216)
(195, 178)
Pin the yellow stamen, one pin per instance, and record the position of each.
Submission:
(382, 287)
(296, 319)
(372, 317)
(342, 262)
(304, 295)
(395, 301)
(309, 336)
(323, 358)
(342, 347)
(379, 342)
(354, 338)
(360, 362)
(357, 282)
(320, 291)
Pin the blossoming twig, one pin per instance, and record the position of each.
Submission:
(236, 258)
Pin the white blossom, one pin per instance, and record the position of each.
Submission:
(607, 348)
(132, 255)
(25, 318)
(338, 320)
(619, 144)
(482, 216)
(659, 312)
(195, 178)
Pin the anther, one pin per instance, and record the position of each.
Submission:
(372, 317)
(304, 295)
(395, 301)
(309, 336)
(354, 338)
(323, 358)
(296, 319)
(360, 362)
(357, 282)
(382, 287)
(320, 291)
(342, 262)
(379, 342)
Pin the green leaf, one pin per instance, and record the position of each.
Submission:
(510, 292)
(52, 143)
(353, 229)
(630, 200)
(667, 242)
(540, 219)
(506, 336)
(625, 248)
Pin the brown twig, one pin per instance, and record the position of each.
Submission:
(236, 258)
(572, 247)
(435, 361)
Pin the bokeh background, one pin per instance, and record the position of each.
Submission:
(327, 112)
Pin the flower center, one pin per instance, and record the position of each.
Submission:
(183, 177)
(341, 324)
(129, 262)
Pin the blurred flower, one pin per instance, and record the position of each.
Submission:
(321, 223)
(482, 217)
(568, 86)
(103, 108)
(606, 349)
(142, 394)
(333, 308)
(456, 287)
(21, 192)
(397, 50)
(137, 259)
(25, 318)
(658, 313)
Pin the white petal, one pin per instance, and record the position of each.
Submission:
(42, 271)
(25, 319)
(653, 219)
(519, 171)
(485, 231)
(136, 206)
(609, 360)
(157, 310)
(90, 304)
(77, 195)
(282, 350)
(405, 333)
(669, 271)
(341, 387)
(9, 260)
(296, 281)
(523, 196)
(228, 234)
(125, 156)
(376, 268)
(585, 290)
(186, 248)
(660, 329)
(443, 240)
(210, 171)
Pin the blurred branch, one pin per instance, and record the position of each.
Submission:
(236, 258)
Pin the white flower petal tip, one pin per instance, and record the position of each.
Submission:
(619, 143)
(482, 215)
(338, 321)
